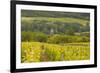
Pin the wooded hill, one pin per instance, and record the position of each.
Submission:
(43, 26)
(55, 14)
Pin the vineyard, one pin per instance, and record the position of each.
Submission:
(41, 52)
(48, 36)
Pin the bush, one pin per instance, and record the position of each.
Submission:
(54, 39)
(32, 36)
(40, 37)
(85, 39)
(57, 39)
(26, 36)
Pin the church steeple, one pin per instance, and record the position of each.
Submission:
(51, 31)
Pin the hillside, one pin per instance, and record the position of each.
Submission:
(53, 25)
(37, 13)
(54, 22)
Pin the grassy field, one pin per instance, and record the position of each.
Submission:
(30, 20)
(41, 52)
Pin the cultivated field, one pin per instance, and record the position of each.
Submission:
(41, 52)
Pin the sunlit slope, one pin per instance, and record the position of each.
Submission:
(41, 52)
(30, 20)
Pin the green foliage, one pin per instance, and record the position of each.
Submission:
(26, 36)
(35, 13)
(55, 27)
(85, 39)
(55, 38)
(40, 37)
(32, 36)
(59, 25)
(58, 39)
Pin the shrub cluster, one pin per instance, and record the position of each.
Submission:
(54, 38)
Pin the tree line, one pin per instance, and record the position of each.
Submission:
(55, 38)
(38, 13)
